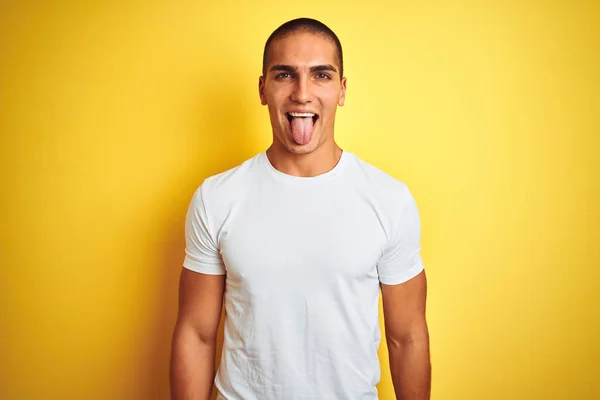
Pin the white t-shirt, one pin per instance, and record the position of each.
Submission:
(304, 257)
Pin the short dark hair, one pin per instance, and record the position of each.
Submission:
(305, 25)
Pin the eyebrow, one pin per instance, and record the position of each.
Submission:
(289, 68)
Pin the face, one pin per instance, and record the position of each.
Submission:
(302, 89)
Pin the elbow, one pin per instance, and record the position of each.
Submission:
(188, 334)
(411, 338)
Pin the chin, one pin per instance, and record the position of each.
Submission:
(302, 149)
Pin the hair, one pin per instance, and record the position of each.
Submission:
(305, 25)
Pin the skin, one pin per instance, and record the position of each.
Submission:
(301, 75)
(407, 337)
(194, 344)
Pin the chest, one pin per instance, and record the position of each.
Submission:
(297, 236)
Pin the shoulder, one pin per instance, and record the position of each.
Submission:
(380, 183)
(390, 197)
(230, 185)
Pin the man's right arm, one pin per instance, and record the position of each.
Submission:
(195, 337)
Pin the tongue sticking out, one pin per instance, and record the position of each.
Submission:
(302, 129)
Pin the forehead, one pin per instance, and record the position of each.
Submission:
(302, 48)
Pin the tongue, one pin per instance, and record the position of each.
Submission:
(302, 129)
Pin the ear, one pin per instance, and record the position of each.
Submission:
(342, 97)
(261, 91)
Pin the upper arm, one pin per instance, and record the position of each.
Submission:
(404, 309)
(402, 275)
(202, 281)
(200, 302)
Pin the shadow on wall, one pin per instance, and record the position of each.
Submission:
(233, 145)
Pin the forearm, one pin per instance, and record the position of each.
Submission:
(192, 366)
(410, 368)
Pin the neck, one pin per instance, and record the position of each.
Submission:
(318, 162)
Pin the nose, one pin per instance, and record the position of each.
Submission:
(301, 92)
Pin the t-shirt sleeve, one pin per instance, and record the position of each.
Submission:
(201, 250)
(401, 259)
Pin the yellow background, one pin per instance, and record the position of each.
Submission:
(112, 114)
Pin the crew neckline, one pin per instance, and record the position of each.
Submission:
(336, 170)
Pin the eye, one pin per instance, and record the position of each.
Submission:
(283, 75)
(322, 75)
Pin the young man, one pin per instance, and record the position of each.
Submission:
(298, 241)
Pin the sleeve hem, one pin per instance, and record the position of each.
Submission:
(398, 279)
(204, 268)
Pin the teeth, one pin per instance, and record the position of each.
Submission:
(296, 114)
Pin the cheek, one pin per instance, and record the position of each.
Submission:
(275, 102)
(330, 94)
(275, 114)
(277, 92)
(330, 102)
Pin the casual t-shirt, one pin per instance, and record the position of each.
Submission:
(303, 258)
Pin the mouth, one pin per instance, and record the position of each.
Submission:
(302, 125)
(291, 115)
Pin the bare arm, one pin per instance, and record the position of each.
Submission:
(407, 337)
(195, 336)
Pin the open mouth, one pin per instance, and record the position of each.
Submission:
(302, 125)
(292, 115)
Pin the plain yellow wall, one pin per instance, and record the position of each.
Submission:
(112, 114)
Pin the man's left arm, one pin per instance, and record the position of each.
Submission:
(407, 337)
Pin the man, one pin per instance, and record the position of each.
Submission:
(299, 240)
